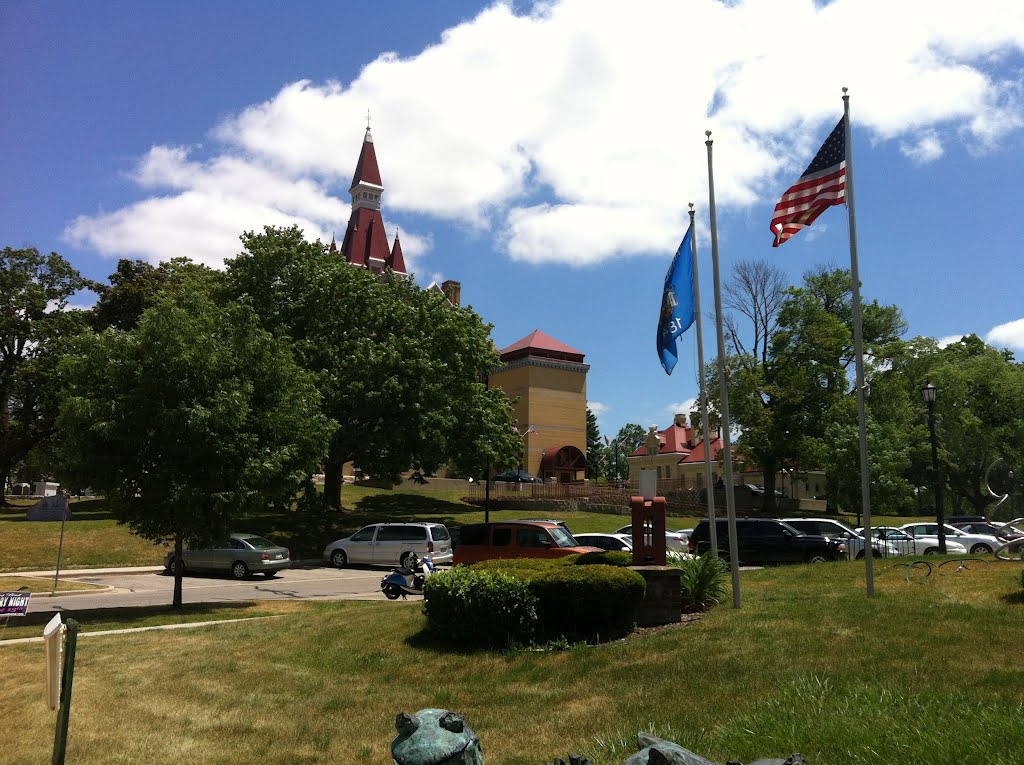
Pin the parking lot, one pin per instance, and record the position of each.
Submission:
(155, 588)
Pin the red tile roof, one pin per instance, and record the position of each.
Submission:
(697, 455)
(539, 344)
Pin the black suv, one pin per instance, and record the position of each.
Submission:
(762, 540)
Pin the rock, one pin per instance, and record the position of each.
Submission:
(658, 751)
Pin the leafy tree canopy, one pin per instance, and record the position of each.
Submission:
(401, 371)
(189, 419)
(34, 294)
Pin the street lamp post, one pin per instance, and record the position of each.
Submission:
(929, 392)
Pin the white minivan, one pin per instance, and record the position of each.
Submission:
(390, 544)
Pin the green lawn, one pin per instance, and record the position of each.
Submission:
(926, 673)
(94, 539)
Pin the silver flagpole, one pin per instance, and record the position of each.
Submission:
(858, 348)
(709, 485)
(730, 501)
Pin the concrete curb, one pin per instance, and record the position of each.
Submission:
(129, 630)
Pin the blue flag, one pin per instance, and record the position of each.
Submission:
(677, 303)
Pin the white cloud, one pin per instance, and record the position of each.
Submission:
(1008, 335)
(592, 149)
(684, 407)
(925, 148)
(949, 340)
(598, 408)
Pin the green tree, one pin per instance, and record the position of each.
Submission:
(595, 448)
(785, 397)
(187, 421)
(34, 293)
(137, 285)
(401, 371)
(978, 421)
(629, 438)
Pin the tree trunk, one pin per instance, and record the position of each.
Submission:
(333, 481)
(179, 567)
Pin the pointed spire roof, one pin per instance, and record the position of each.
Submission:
(334, 245)
(396, 261)
(540, 344)
(366, 168)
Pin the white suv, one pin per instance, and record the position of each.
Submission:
(389, 544)
(833, 529)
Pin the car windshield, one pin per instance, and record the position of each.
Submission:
(562, 537)
(258, 543)
(794, 530)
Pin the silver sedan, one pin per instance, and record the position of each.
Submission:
(241, 555)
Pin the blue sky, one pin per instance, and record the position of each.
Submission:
(543, 156)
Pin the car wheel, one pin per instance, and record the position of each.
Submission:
(860, 555)
(339, 559)
(407, 560)
(980, 549)
(239, 570)
(932, 551)
(817, 558)
(391, 592)
(170, 568)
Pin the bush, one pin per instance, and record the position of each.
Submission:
(480, 608)
(703, 581)
(619, 558)
(587, 601)
(569, 600)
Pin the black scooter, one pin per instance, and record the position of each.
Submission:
(407, 581)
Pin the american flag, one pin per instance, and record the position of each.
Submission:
(822, 185)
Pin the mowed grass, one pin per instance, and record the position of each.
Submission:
(927, 672)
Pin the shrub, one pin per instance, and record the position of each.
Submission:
(480, 608)
(587, 601)
(607, 557)
(703, 581)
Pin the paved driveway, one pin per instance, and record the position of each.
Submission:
(157, 588)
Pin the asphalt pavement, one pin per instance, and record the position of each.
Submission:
(149, 586)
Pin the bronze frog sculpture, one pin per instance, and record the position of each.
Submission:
(435, 737)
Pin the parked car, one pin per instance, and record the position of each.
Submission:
(515, 539)
(833, 529)
(999, 531)
(612, 542)
(764, 540)
(241, 555)
(908, 544)
(955, 520)
(976, 544)
(555, 521)
(516, 476)
(673, 539)
(389, 544)
(622, 542)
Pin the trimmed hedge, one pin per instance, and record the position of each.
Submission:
(589, 601)
(480, 608)
(584, 596)
(619, 558)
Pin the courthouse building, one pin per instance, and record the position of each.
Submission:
(545, 379)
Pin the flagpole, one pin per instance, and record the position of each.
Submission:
(708, 482)
(730, 501)
(858, 347)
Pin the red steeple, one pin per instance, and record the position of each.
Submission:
(366, 243)
(366, 168)
(397, 261)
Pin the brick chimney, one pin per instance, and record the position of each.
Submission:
(453, 291)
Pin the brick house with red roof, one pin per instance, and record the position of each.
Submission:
(677, 453)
